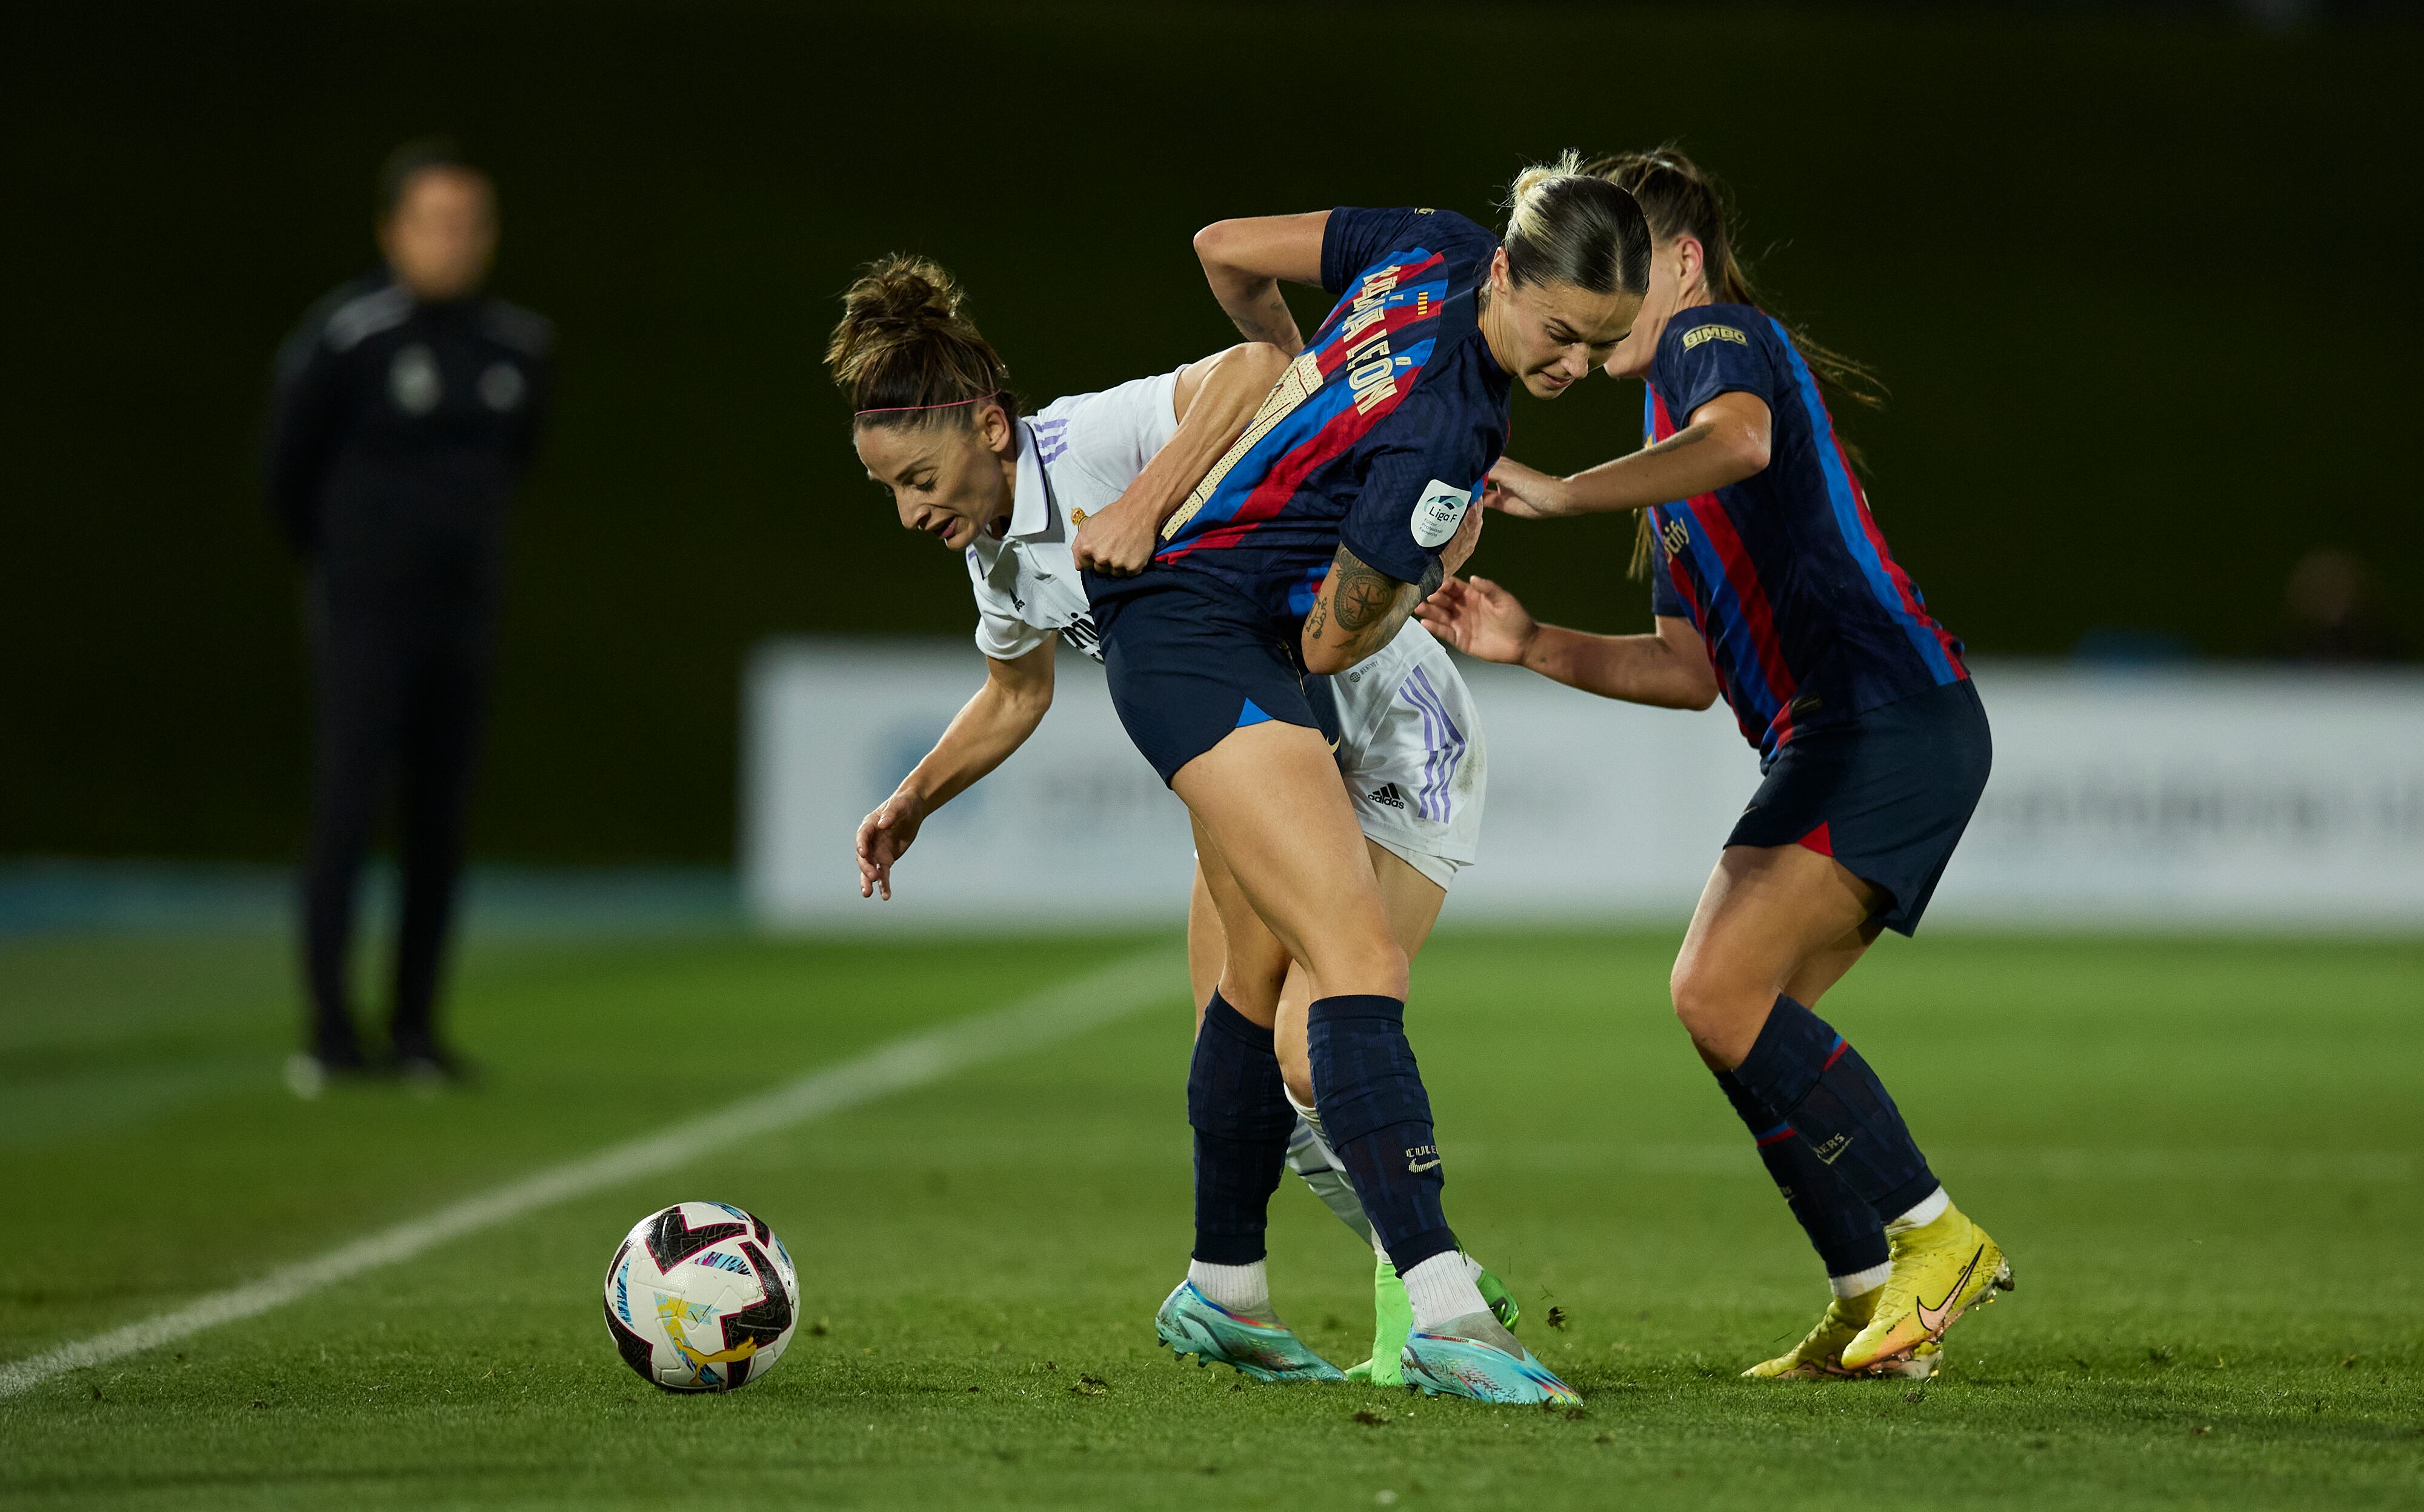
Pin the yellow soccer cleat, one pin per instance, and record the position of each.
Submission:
(1821, 1355)
(1941, 1269)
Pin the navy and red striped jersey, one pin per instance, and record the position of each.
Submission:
(1381, 432)
(1807, 617)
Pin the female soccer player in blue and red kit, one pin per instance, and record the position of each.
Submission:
(1304, 550)
(1773, 588)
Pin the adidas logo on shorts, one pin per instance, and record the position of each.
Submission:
(1387, 796)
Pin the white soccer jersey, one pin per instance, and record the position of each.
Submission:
(1409, 744)
(1076, 456)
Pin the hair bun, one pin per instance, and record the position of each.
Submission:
(902, 291)
(905, 342)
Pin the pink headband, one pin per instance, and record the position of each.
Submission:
(902, 409)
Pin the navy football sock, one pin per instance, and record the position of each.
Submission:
(1238, 1107)
(1846, 1232)
(1373, 1107)
(1815, 1080)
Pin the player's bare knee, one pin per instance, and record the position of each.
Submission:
(1375, 965)
(1704, 999)
(1388, 966)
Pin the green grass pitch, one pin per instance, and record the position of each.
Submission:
(2203, 1155)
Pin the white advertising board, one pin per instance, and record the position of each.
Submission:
(2188, 796)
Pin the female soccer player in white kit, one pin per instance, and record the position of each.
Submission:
(1014, 494)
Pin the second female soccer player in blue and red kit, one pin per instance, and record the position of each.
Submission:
(1773, 588)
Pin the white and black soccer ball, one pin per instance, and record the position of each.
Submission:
(701, 1297)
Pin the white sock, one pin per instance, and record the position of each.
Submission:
(1930, 1208)
(1472, 1267)
(1442, 1290)
(1240, 1288)
(1859, 1281)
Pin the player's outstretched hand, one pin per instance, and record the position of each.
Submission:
(1524, 492)
(882, 835)
(1479, 618)
(1115, 540)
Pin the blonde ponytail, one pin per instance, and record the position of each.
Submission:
(1525, 197)
(1568, 226)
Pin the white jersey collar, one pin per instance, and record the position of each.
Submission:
(1032, 512)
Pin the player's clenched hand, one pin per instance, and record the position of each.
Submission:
(1479, 618)
(1115, 540)
(882, 835)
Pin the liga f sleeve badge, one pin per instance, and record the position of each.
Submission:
(1438, 512)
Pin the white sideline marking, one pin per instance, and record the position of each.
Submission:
(1054, 1014)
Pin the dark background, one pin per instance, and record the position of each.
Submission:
(2142, 283)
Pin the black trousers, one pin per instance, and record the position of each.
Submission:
(402, 700)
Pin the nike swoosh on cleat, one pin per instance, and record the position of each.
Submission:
(1933, 1319)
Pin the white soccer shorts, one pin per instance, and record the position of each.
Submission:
(1410, 744)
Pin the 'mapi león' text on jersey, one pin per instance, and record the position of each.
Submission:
(1378, 436)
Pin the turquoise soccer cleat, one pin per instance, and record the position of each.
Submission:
(1192, 1323)
(1463, 1358)
(1393, 1320)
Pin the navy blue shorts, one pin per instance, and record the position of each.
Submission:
(1886, 793)
(1187, 664)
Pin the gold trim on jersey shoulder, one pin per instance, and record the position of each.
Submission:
(1302, 380)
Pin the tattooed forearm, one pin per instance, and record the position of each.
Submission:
(1432, 577)
(1265, 317)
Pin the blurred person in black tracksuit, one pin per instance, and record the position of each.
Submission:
(407, 408)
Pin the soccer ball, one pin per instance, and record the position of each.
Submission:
(701, 1297)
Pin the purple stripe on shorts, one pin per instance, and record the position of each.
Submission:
(1445, 745)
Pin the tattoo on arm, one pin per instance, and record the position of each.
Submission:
(1268, 319)
(1364, 596)
(1366, 604)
